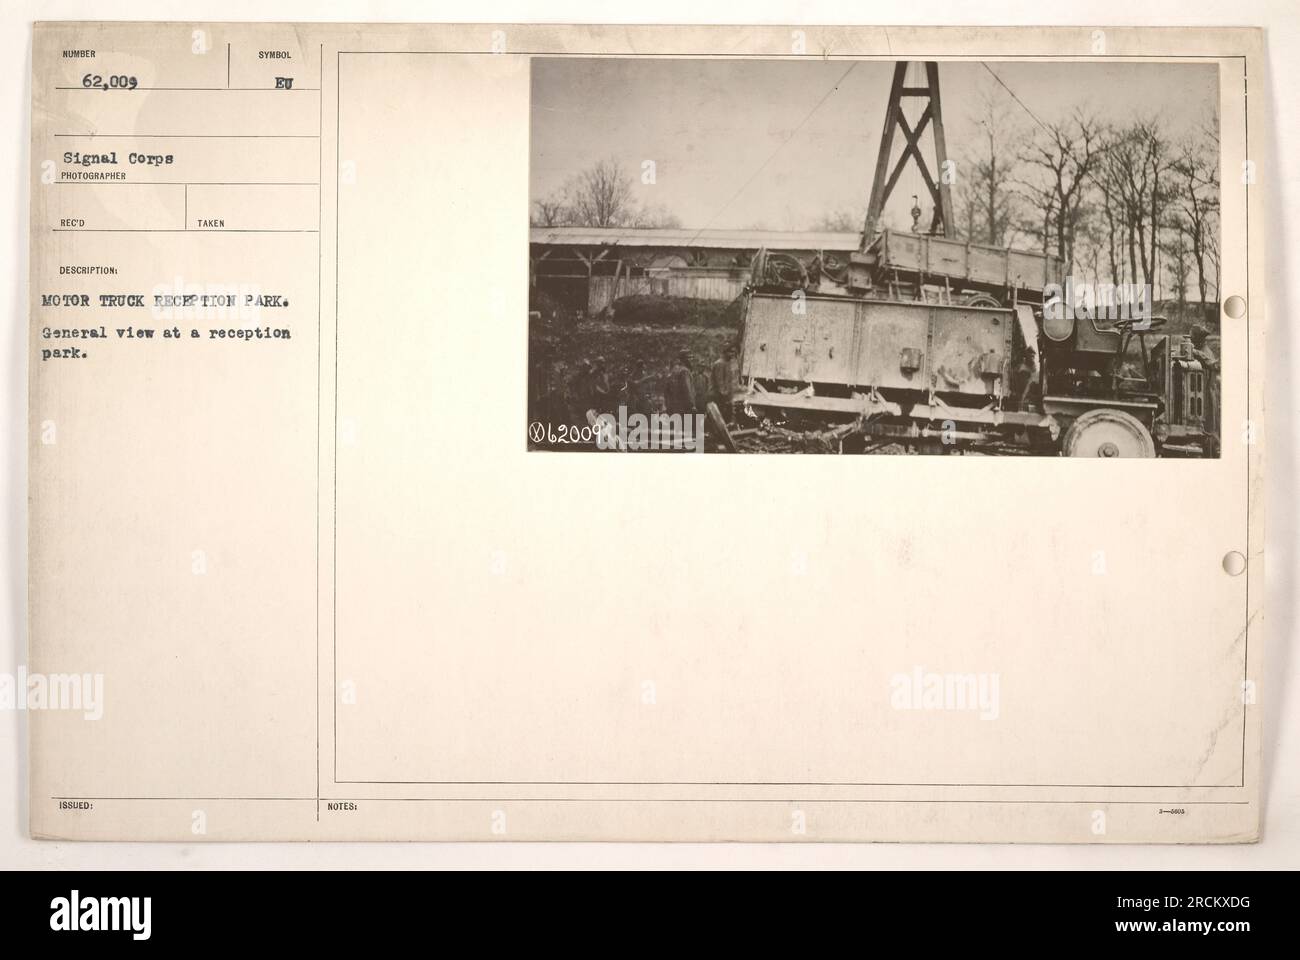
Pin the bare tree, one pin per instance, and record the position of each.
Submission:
(1064, 157)
(1212, 253)
(985, 192)
(1094, 247)
(964, 203)
(550, 212)
(838, 221)
(1110, 208)
(1126, 179)
(655, 217)
(1038, 219)
(1180, 261)
(1198, 197)
(601, 195)
(1132, 179)
(1157, 150)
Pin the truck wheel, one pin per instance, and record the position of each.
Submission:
(1107, 433)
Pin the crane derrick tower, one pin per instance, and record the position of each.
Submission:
(882, 186)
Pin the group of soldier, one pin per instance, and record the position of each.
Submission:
(685, 390)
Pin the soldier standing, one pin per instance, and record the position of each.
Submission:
(814, 274)
(1210, 364)
(723, 382)
(680, 395)
(638, 389)
(600, 388)
(580, 393)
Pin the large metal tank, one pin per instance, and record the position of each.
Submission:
(887, 345)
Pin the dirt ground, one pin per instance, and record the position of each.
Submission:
(640, 341)
(650, 331)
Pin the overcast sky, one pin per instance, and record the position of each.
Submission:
(709, 125)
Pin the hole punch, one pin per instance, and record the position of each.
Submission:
(1235, 307)
(1234, 564)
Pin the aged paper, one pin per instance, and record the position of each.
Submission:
(409, 407)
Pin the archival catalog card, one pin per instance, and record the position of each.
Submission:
(645, 433)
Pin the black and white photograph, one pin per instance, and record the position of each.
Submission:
(899, 257)
(295, 605)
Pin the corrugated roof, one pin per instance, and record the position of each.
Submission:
(726, 239)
